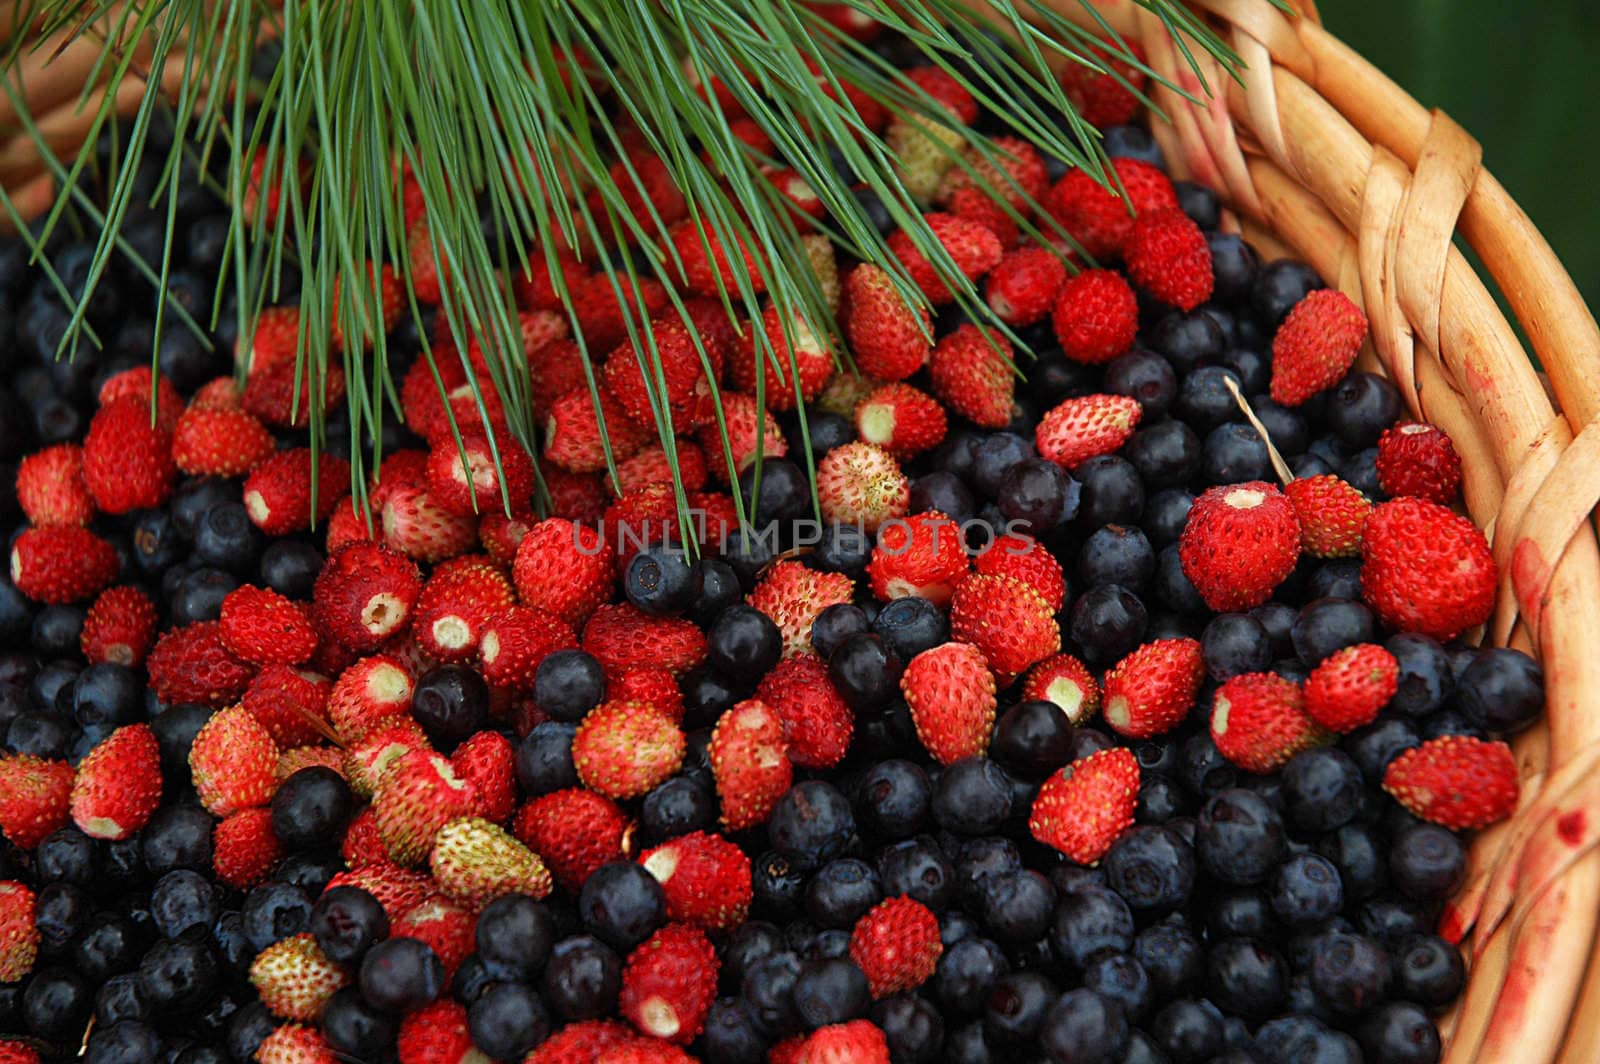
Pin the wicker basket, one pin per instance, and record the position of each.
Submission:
(1320, 156)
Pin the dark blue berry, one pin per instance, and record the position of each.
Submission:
(910, 625)
(1083, 1027)
(347, 921)
(311, 808)
(1429, 971)
(865, 671)
(622, 904)
(1088, 922)
(1151, 868)
(1239, 837)
(842, 892)
(1501, 691)
(583, 978)
(829, 991)
(1306, 889)
(1322, 789)
(543, 760)
(811, 824)
(661, 580)
(973, 796)
(401, 974)
(1144, 376)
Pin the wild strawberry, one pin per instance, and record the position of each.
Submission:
(487, 762)
(844, 392)
(1149, 692)
(923, 555)
(1014, 170)
(623, 749)
(621, 636)
(861, 484)
(417, 526)
(120, 627)
(19, 938)
(1259, 721)
(294, 1043)
(1025, 285)
(970, 375)
(704, 253)
(749, 428)
(889, 338)
(118, 786)
(1067, 682)
(290, 703)
(1082, 809)
(311, 755)
(295, 978)
(371, 691)
(438, 1034)
(1426, 569)
(574, 831)
(351, 523)
(809, 353)
(976, 205)
(793, 594)
(572, 431)
(651, 467)
(750, 763)
(669, 983)
(945, 91)
(1096, 316)
(35, 798)
(1418, 459)
(278, 494)
(687, 392)
(270, 393)
(901, 419)
(418, 794)
(127, 463)
(1331, 513)
(1350, 686)
(499, 536)
(51, 489)
(57, 564)
(378, 299)
(192, 664)
(1099, 218)
(897, 944)
(855, 1042)
(1238, 544)
(1085, 427)
(262, 627)
(233, 760)
(923, 152)
(705, 877)
(135, 383)
(1025, 559)
(220, 443)
(1007, 620)
(456, 605)
(951, 695)
(1105, 94)
(1315, 346)
(364, 594)
(446, 927)
(515, 640)
(476, 861)
(564, 568)
(367, 760)
(1457, 781)
(398, 890)
(554, 370)
(476, 487)
(644, 515)
(973, 248)
(578, 1043)
(816, 720)
(656, 688)
(275, 340)
(244, 848)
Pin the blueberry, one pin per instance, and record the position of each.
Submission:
(119, 999)
(973, 796)
(1429, 971)
(732, 1033)
(918, 869)
(892, 799)
(1151, 868)
(1253, 370)
(354, 1027)
(943, 491)
(272, 912)
(401, 974)
(1112, 492)
(198, 595)
(1246, 977)
(178, 975)
(583, 978)
(1394, 920)
(1083, 1027)
(451, 702)
(1205, 401)
(1166, 454)
(507, 1021)
(781, 496)
(177, 836)
(842, 892)
(66, 855)
(1188, 1030)
(347, 921)
(1233, 453)
(1240, 912)
(1427, 863)
(777, 887)
(311, 809)
(1116, 554)
(1108, 623)
(181, 900)
(1032, 739)
(1279, 285)
(830, 991)
(1425, 676)
(1339, 578)
(109, 944)
(676, 807)
(543, 760)
(1161, 799)
(1234, 643)
(225, 537)
(568, 684)
(1017, 908)
(1144, 376)
(911, 1026)
(995, 456)
(1330, 624)
(1133, 142)
(61, 914)
(1306, 889)
(1322, 789)
(743, 644)
(1350, 973)
(107, 694)
(1398, 1032)
(1172, 587)
(865, 671)
(1501, 691)
(1360, 854)
(1373, 747)
(660, 579)
(58, 631)
(811, 824)
(1239, 837)
(1088, 922)
(1034, 495)
(1017, 1007)
(910, 625)
(289, 567)
(57, 1004)
(967, 972)
(844, 548)
(747, 553)
(824, 432)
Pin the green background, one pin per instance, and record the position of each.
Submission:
(1520, 75)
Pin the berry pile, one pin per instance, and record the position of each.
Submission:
(1091, 725)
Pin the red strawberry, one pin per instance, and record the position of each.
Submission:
(572, 431)
(418, 794)
(792, 594)
(1167, 256)
(220, 443)
(1149, 692)
(364, 594)
(809, 352)
(575, 831)
(290, 703)
(233, 760)
(816, 720)
(244, 848)
(687, 392)
(897, 944)
(750, 762)
(577, 1043)
(262, 627)
(1025, 559)
(476, 486)
(707, 268)
(644, 515)
(35, 797)
(57, 564)
(447, 928)
(417, 526)
(656, 688)
(293, 1043)
(1065, 681)
(1017, 174)
(970, 375)
(192, 665)
(368, 759)
(564, 568)
(945, 91)
(310, 755)
(1098, 218)
(295, 979)
(973, 248)
(476, 861)
(1085, 427)
(622, 637)
(438, 1034)
(278, 494)
(1332, 513)
(499, 535)
(366, 694)
(398, 890)
(1259, 722)
(1105, 96)
(377, 309)
(1426, 569)
(651, 467)
(951, 695)
(1096, 316)
(890, 340)
(118, 786)
(855, 1042)
(1351, 685)
(1025, 285)
(1418, 459)
(276, 338)
(669, 983)
(487, 761)
(1456, 781)
(19, 938)
(599, 302)
(270, 393)
(135, 383)
(924, 555)
(1239, 542)
(1083, 809)
(515, 640)
(1007, 620)
(623, 749)
(456, 605)
(127, 463)
(361, 846)
(749, 427)
(51, 489)
(120, 627)
(860, 484)
(1315, 346)
(705, 877)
